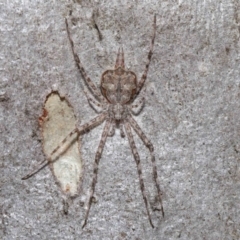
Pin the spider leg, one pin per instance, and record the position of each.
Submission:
(121, 130)
(149, 145)
(52, 158)
(42, 165)
(139, 168)
(86, 78)
(95, 169)
(65, 144)
(144, 76)
(111, 131)
(94, 104)
(138, 104)
(82, 129)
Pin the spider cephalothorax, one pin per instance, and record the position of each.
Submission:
(119, 86)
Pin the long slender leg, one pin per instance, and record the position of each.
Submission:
(139, 168)
(61, 149)
(81, 130)
(42, 165)
(138, 104)
(95, 105)
(95, 169)
(86, 78)
(144, 76)
(149, 145)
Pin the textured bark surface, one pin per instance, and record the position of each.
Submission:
(191, 115)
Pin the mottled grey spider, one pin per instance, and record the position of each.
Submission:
(116, 100)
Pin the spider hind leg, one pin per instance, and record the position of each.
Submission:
(95, 168)
(139, 168)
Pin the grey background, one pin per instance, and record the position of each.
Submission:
(191, 116)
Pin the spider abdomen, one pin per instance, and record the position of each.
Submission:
(119, 85)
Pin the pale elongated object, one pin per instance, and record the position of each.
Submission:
(56, 122)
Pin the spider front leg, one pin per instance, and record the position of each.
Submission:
(94, 104)
(65, 144)
(95, 168)
(139, 168)
(144, 76)
(149, 145)
(88, 81)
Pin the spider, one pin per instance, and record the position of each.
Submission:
(116, 100)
